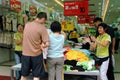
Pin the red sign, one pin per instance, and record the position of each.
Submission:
(33, 10)
(15, 5)
(82, 20)
(73, 8)
(92, 17)
(86, 19)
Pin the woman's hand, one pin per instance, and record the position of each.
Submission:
(87, 39)
(93, 38)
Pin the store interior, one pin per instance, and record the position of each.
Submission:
(13, 12)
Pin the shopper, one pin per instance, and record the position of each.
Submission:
(101, 43)
(110, 31)
(116, 39)
(73, 35)
(18, 38)
(55, 57)
(35, 33)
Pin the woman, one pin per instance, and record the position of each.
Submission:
(18, 37)
(55, 57)
(102, 51)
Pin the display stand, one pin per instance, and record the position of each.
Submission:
(91, 73)
(6, 38)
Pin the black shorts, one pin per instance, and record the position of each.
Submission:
(34, 64)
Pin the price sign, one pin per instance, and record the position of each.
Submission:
(73, 8)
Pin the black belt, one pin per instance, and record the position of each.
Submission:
(101, 60)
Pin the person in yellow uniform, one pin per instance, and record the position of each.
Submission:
(73, 36)
(18, 37)
(101, 43)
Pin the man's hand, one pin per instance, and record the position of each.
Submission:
(113, 51)
(43, 49)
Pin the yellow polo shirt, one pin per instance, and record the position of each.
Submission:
(101, 50)
(18, 36)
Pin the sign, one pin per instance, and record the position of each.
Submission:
(86, 19)
(92, 17)
(67, 26)
(33, 10)
(73, 8)
(15, 5)
(81, 20)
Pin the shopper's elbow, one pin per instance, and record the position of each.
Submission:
(47, 44)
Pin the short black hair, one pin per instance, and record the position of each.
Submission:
(98, 19)
(105, 26)
(42, 15)
(18, 25)
(55, 26)
(115, 29)
(75, 29)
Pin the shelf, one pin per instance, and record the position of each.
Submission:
(7, 8)
(5, 46)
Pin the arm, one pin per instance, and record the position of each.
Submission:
(43, 46)
(46, 44)
(102, 43)
(62, 32)
(113, 45)
(45, 40)
(17, 39)
(44, 37)
(112, 34)
(99, 42)
(18, 42)
(92, 45)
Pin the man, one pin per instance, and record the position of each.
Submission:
(35, 35)
(110, 31)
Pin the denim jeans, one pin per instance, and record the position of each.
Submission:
(17, 61)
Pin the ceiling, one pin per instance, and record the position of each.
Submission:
(113, 11)
(95, 7)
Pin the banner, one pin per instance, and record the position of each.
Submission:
(86, 19)
(33, 10)
(73, 8)
(15, 5)
(67, 26)
(92, 17)
(81, 19)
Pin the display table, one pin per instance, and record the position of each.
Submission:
(13, 69)
(91, 73)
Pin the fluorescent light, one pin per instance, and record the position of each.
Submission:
(118, 8)
(112, 5)
(109, 10)
(99, 3)
(37, 3)
(105, 9)
(57, 1)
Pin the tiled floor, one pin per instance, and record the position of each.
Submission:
(5, 67)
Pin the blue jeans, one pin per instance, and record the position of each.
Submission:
(17, 61)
